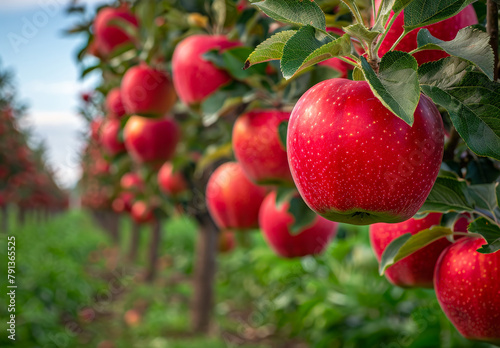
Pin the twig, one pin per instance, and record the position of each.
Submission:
(492, 28)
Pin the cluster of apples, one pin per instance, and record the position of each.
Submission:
(349, 157)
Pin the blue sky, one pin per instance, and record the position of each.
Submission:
(46, 75)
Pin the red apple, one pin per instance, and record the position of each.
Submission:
(95, 128)
(109, 35)
(147, 91)
(114, 103)
(169, 182)
(258, 149)
(226, 241)
(354, 161)
(467, 285)
(276, 222)
(109, 137)
(132, 182)
(141, 212)
(445, 30)
(151, 140)
(416, 270)
(194, 77)
(232, 199)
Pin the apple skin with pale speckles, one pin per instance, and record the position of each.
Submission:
(151, 140)
(258, 149)
(354, 161)
(195, 78)
(276, 222)
(416, 270)
(232, 199)
(445, 30)
(467, 285)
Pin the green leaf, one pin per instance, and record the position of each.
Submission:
(419, 13)
(232, 60)
(303, 215)
(298, 12)
(396, 85)
(497, 191)
(448, 194)
(407, 244)
(489, 231)
(357, 74)
(362, 33)
(225, 13)
(383, 13)
(400, 4)
(304, 49)
(89, 69)
(282, 131)
(222, 102)
(271, 49)
(284, 194)
(471, 99)
(470, 44)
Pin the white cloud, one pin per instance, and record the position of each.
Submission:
(69, 120)
(59, 87)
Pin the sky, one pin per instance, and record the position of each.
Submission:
(46, 76)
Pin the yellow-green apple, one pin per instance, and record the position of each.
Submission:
(232, 199)
(258, 149)
(109, 137)
(445, 30)
(354, 161)
(151, 139)
(147, 91)
(416, 270)
(114, 103)
(195, 78)
(467, 285)
(108, 34)
(276, 223)
(170, 182)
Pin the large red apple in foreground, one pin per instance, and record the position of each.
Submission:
(147, 91)
(170, 182)
(467, 285)
(276, 223)
(109, 137)
(194, 77)
(258, 149)
(109, 35)
(445, 30)
(354, 161)
(416, 270)
(151, 140)
(232, 199)
(114, 103)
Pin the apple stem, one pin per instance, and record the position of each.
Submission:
(492, 28)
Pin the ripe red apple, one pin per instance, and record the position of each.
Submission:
(258, 149)
(169, 182)
(226, 241)
(467, 285)
(354, 161)
(141, 212)
(114, 103)
(416, 270)
(95, 128)
(445, 30)
(194, 77)
(132, 182)
(151, 140)
(147, 91)
(232, 199)
(109, 35)
(109, 137)
(276, 222)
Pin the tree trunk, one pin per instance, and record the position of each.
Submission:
(204, 275)
(134, 242)
(153, 250)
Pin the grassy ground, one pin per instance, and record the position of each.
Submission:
(76, 290)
